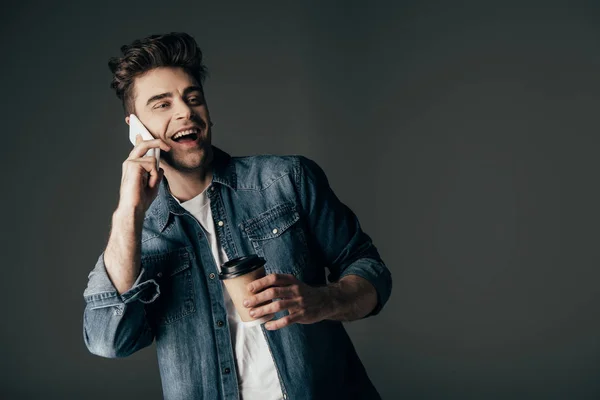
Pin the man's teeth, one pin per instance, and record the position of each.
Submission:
(186, 132)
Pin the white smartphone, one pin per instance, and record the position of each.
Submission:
(135, 127)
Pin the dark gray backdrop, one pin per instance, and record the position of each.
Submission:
(463, 134)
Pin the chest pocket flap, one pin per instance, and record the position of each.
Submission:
(271, 223)
(167, 264)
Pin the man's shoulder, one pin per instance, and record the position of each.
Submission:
(258, 171)
(266, 161)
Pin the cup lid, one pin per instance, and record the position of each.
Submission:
(240, 266)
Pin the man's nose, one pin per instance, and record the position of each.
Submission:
(183, 110)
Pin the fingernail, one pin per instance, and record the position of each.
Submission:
(252, 313)
(246, 302)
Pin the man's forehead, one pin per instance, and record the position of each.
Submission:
(162, 80)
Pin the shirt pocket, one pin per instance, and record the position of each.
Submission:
(278, 237)
(173, 273)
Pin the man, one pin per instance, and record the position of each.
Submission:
(173, 227)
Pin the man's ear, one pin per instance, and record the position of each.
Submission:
(127, 120)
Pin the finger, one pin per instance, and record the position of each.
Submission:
(142, 167)
(271, 280)
(148, 163)
(275, 292)
(149, 172)
(155, 178)
(142, 147)
(273, 307)
(268, 317)
(283, 322)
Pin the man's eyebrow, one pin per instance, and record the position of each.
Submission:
(161, 96)
(192, 89)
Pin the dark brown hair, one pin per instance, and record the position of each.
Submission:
(175, 49)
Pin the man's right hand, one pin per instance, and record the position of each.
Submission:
(140, 179)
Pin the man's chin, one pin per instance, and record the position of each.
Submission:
(192, 161)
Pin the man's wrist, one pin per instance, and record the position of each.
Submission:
(349, 299)
(335, 305)
(128, 214)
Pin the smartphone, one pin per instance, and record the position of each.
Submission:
(135, 127)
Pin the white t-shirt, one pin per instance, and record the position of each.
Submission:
(257, 374)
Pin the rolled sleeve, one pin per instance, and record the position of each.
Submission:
(115, 325)
(339, 240)
(101, 292)
(376, 273)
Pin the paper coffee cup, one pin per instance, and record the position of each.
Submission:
(236, 274)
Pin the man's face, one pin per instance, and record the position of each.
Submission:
(169, 101)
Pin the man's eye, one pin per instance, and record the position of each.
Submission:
(162, 105)
(195, 100)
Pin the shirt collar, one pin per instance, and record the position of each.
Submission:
(165, 204)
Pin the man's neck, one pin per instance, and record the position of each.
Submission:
(186, 186)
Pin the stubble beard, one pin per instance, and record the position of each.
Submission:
(191, 160)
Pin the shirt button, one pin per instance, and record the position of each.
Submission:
(159, 274)
(285, 396)
(212, 276)
(220, 323)
(227, 370)
(275, 231)
(220, 223)
(212, 188)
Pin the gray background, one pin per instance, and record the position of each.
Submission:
(463, 134)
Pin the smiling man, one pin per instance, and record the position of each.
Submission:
(174, 227)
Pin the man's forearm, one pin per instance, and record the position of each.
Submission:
(351, 298)
(122, 254)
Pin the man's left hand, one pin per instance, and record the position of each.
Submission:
(306, 304)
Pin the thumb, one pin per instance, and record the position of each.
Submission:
(155, 179)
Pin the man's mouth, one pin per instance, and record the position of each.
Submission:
(187, 136)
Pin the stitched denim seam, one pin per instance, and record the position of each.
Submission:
(271, 183)
(272, 213)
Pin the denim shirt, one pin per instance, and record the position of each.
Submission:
(278, 207)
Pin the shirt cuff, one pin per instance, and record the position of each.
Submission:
(377, 275)
(102, 293)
